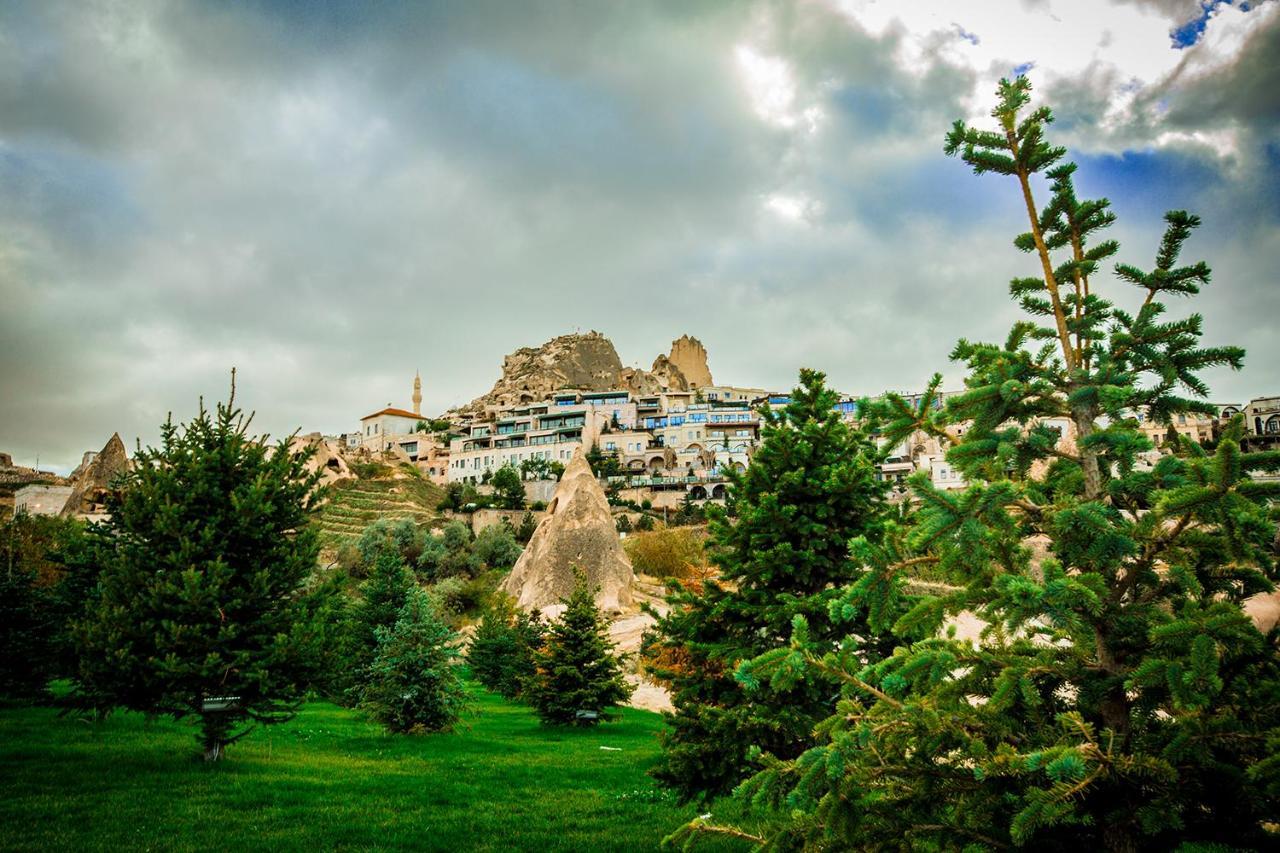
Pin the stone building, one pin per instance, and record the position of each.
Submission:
(41, 499)
(1262, 423)
(1200, 428)
(380, 430)
(550, 430)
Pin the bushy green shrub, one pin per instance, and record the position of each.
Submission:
(403, 535)
(431, 556)
(456, 535)
(496, 546)
(672, 552)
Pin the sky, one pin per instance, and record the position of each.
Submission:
(329, 196)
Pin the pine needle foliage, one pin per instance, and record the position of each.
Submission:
(413, 685)
(1118, 698)
(204, 561)
(782, 549)
(503, 649)
(577, 679)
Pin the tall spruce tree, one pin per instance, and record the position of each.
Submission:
(781, 547)
(382, 598)
(1119, 698)
(413, 685)
(577, 678)
(203, 562)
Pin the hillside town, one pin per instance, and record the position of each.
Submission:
(672, 430)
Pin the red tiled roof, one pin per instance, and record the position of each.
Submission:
(391, 411)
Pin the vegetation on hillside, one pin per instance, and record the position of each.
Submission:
(350, 506)
(668, 552)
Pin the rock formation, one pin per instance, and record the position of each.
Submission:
(664, 376)
(577, 532)
(690, 357)
(590, 363)
(325, 459)
(581, 362)
(89, 489)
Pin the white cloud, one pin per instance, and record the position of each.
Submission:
(1124, 51)
(769, 85)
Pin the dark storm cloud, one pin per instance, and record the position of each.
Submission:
(330, 196)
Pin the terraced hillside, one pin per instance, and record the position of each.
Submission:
(353, 504)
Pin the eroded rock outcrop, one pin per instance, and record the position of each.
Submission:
(90, 488)
(324, 458)
(664, 376)
(577, 532)
(584, 362)
(690, 357)
(589, 362)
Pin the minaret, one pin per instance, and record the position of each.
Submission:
(417, 393)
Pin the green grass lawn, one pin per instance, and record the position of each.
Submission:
(332, 780)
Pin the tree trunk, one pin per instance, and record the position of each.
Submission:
(215, 750)
(1083, 421)
(1118, 838)
(214, 737)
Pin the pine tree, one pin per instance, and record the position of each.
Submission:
(1119, 698)
(382, 598)
(413, 684)
(811, 487)
(203, 561)
(578, 678)
(503, 649)
(492, 642)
